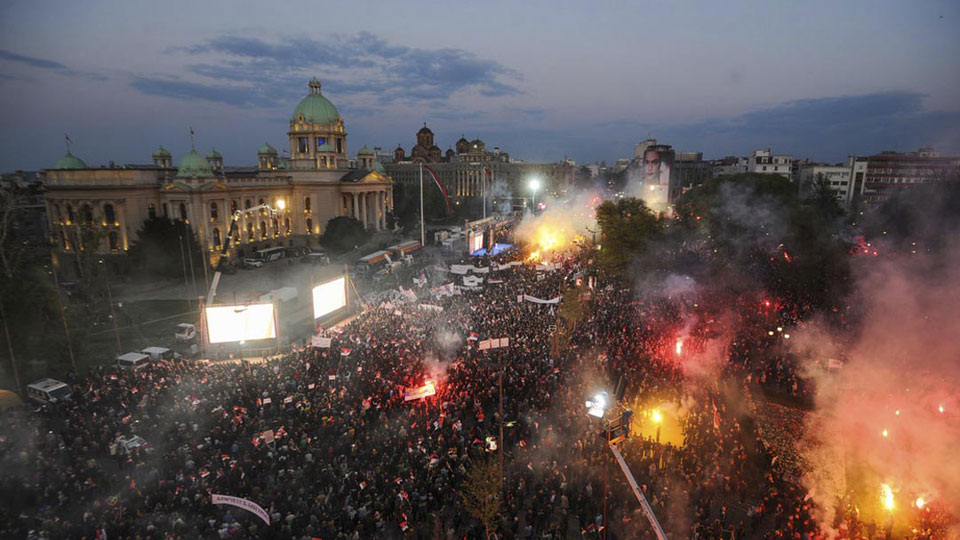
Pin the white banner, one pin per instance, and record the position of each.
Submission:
(472, 281)
(460, 269)
(445, 290)
(481, 270)
(548, 267)
(320, 342)
(494, 343)
(494, 281)
(506, 266)
(249, 506)
(536, 300)
(430, 307)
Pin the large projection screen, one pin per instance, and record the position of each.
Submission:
(329, 297)
(226, 324)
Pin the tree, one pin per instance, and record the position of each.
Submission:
(159, 245)
(481, 493)
(343, 233)
(628, 228)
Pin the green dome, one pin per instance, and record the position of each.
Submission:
(193, 165)
(315, 109)
(365, 151)
(70, 161)
(161, 152)
(377, 166)
(267, 149)
(214, 154)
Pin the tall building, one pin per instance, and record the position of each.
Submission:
(836, 177)
(889, 172)
(765, 162)
(316, 184)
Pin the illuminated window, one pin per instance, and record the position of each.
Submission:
(108, 214)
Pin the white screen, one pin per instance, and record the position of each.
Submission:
(329, 297)
(238, 323)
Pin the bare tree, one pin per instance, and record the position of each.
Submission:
(481, 493)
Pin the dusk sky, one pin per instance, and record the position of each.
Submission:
(539, 79)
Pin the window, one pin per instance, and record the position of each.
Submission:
(247, 204)
(302, 145)
(309, 226)
(151, 210)
(56, 211)
(339, 146)
(320, 141)
(114, 244)
(250, 231)
(286, 225)
(70, 216)
(86, 214)
(276, 226)
(233, 206)
(263, 229)
(214, 214)
(216, 238)
(306, 204)
(166, 210)
(183, 211)
(109, 215)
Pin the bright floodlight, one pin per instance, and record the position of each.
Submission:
(597, 405)
(534, 184)
(281, 204)
(656, 416)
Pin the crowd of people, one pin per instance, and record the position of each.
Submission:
(323, 439)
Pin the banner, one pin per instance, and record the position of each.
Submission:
(494, 343)
(430, 307)
(320, 342)
(485, 270)
(445, 290)
(249, 506)
(460, 269)
(548, 267)
(420, 392)
(536, 300)
(472, 281)
(494, 281)
(505, 266)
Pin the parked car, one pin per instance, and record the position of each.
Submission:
(48, 391)
(317, 257)
(133, 360)
(185, 332)
(296, 251)
(252, 263)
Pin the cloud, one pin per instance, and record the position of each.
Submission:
(826, 129)
(41, 63)
(358, 66)
(232, 95)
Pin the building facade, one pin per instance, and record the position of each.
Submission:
(315, 185)
(836, 177)
(469, 170)
(889, 172)
(765, 162)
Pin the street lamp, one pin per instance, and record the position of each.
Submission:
(534, 186)
(281, 204)
(597, 405)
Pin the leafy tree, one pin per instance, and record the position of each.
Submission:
(481, 493)
(161, 248)
(628, 228)
(342, 233)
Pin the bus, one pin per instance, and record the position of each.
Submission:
(269, 254)
(368, 264)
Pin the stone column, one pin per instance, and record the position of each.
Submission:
(354, 210)
(363, 210)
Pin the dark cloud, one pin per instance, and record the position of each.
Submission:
(232, 95)
(360, 64)
(826, 129)
(41, 63)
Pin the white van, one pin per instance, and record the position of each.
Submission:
(159, 353)
(185, 332)
(132, 360)
(48, 391)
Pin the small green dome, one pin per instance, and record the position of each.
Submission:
(193, 165)
(315, 109)
(70, 161)
(377, 166)
(325, 147)
(162, 152)
(267, 149)
(365, 151)
(214, 154)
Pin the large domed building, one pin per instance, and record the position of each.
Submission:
(315, 180)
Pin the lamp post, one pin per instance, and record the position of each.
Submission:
(534, 186)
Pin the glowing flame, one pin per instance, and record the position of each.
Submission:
(920, 503)
(941, 409)
(534, 257)
(679, 347)
(656, 416)
(886, 496)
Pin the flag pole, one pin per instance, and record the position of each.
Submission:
(422, 230)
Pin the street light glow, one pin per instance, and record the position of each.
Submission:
(597, 405)
(281, 204)
(534, 184)
(656, 416)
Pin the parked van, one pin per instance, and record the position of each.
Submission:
(133, 360)
(159, 353)
(185, 332)
(48, 391)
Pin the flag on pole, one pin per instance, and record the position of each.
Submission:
(443, 190)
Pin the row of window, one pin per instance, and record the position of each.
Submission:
(85, 214)
(70, 243)
(261, 232)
